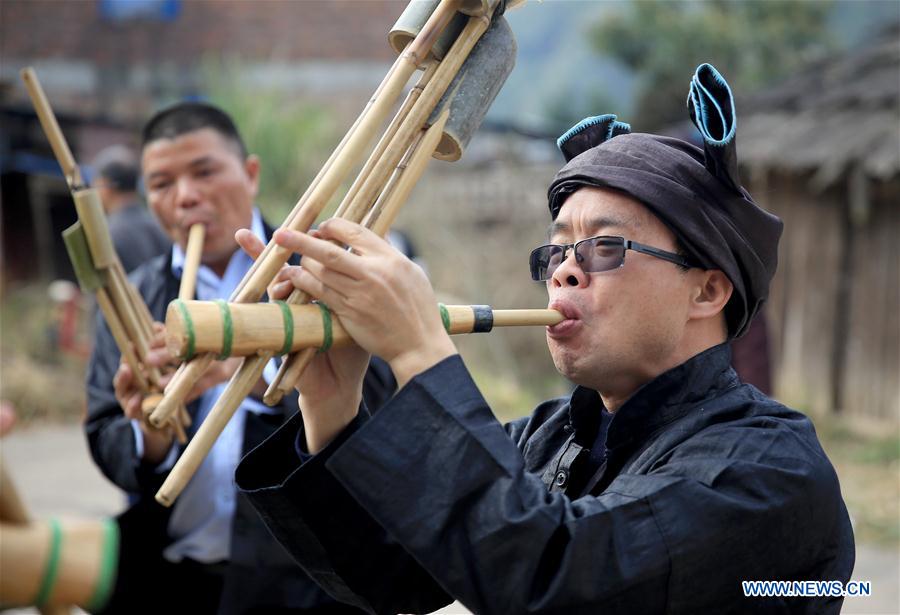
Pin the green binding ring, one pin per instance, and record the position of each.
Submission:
(52, 568)
(188, 329)
(327, 338)
(109, 564)
(445, 316)
(288, 319)
(227, 329)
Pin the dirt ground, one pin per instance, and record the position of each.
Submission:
(55, 475)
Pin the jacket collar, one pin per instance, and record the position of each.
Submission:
(665, 399)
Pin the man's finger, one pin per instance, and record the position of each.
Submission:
(311, 285)
(358, 237)
(330, 255)
(250, 243)
(133, 406)
(122, 379)
(331, 278)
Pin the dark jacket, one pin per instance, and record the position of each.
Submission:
(260, 572)
(136, 235)
(706, 483)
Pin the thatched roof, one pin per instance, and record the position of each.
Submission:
(836, 114)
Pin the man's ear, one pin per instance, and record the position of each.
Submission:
(711, 293)
(252, 166)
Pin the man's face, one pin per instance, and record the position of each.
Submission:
(624, 325)
(199, 177)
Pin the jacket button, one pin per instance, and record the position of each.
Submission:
(561, 478)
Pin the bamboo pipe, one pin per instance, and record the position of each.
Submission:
(260, 327)
(121, 338)
(13, 511)
(192, 255)
(305, 212)
(51, 129)
(25, 553)
(380, 219)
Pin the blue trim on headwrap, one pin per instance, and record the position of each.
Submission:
(584, 125)
(590, 132)
(619, 128)
(701, 95)
(711, 107)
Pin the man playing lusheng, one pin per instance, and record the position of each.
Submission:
(210, 552)
(658, 486)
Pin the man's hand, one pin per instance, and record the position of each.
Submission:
(383, 299)
(331, 385)
(157, 442)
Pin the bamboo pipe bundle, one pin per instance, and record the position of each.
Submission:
(95, 260)
(311, 204)
(243, 329)
(408, 137)
(251, 369)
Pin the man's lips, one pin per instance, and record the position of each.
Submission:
(190, 221)
(571, 323)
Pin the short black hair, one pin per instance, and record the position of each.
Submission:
(185, 117)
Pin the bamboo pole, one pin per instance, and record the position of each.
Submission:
(121, 338)
(51, 129)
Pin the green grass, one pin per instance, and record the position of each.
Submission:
(40, 381)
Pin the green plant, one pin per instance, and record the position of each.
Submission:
(291, 136)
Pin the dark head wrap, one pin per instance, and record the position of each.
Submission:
(694, 192)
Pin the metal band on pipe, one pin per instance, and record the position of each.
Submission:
(288, 318)
(227, 329)
(484, 318)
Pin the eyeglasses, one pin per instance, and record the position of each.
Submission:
(595, 254)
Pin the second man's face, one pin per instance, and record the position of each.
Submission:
(199, 177)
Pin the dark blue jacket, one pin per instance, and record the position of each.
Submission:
(706, 483)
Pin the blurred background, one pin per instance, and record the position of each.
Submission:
(818, 104)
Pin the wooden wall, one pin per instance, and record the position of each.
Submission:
(804, 304)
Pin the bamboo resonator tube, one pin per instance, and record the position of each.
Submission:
(242, 329)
